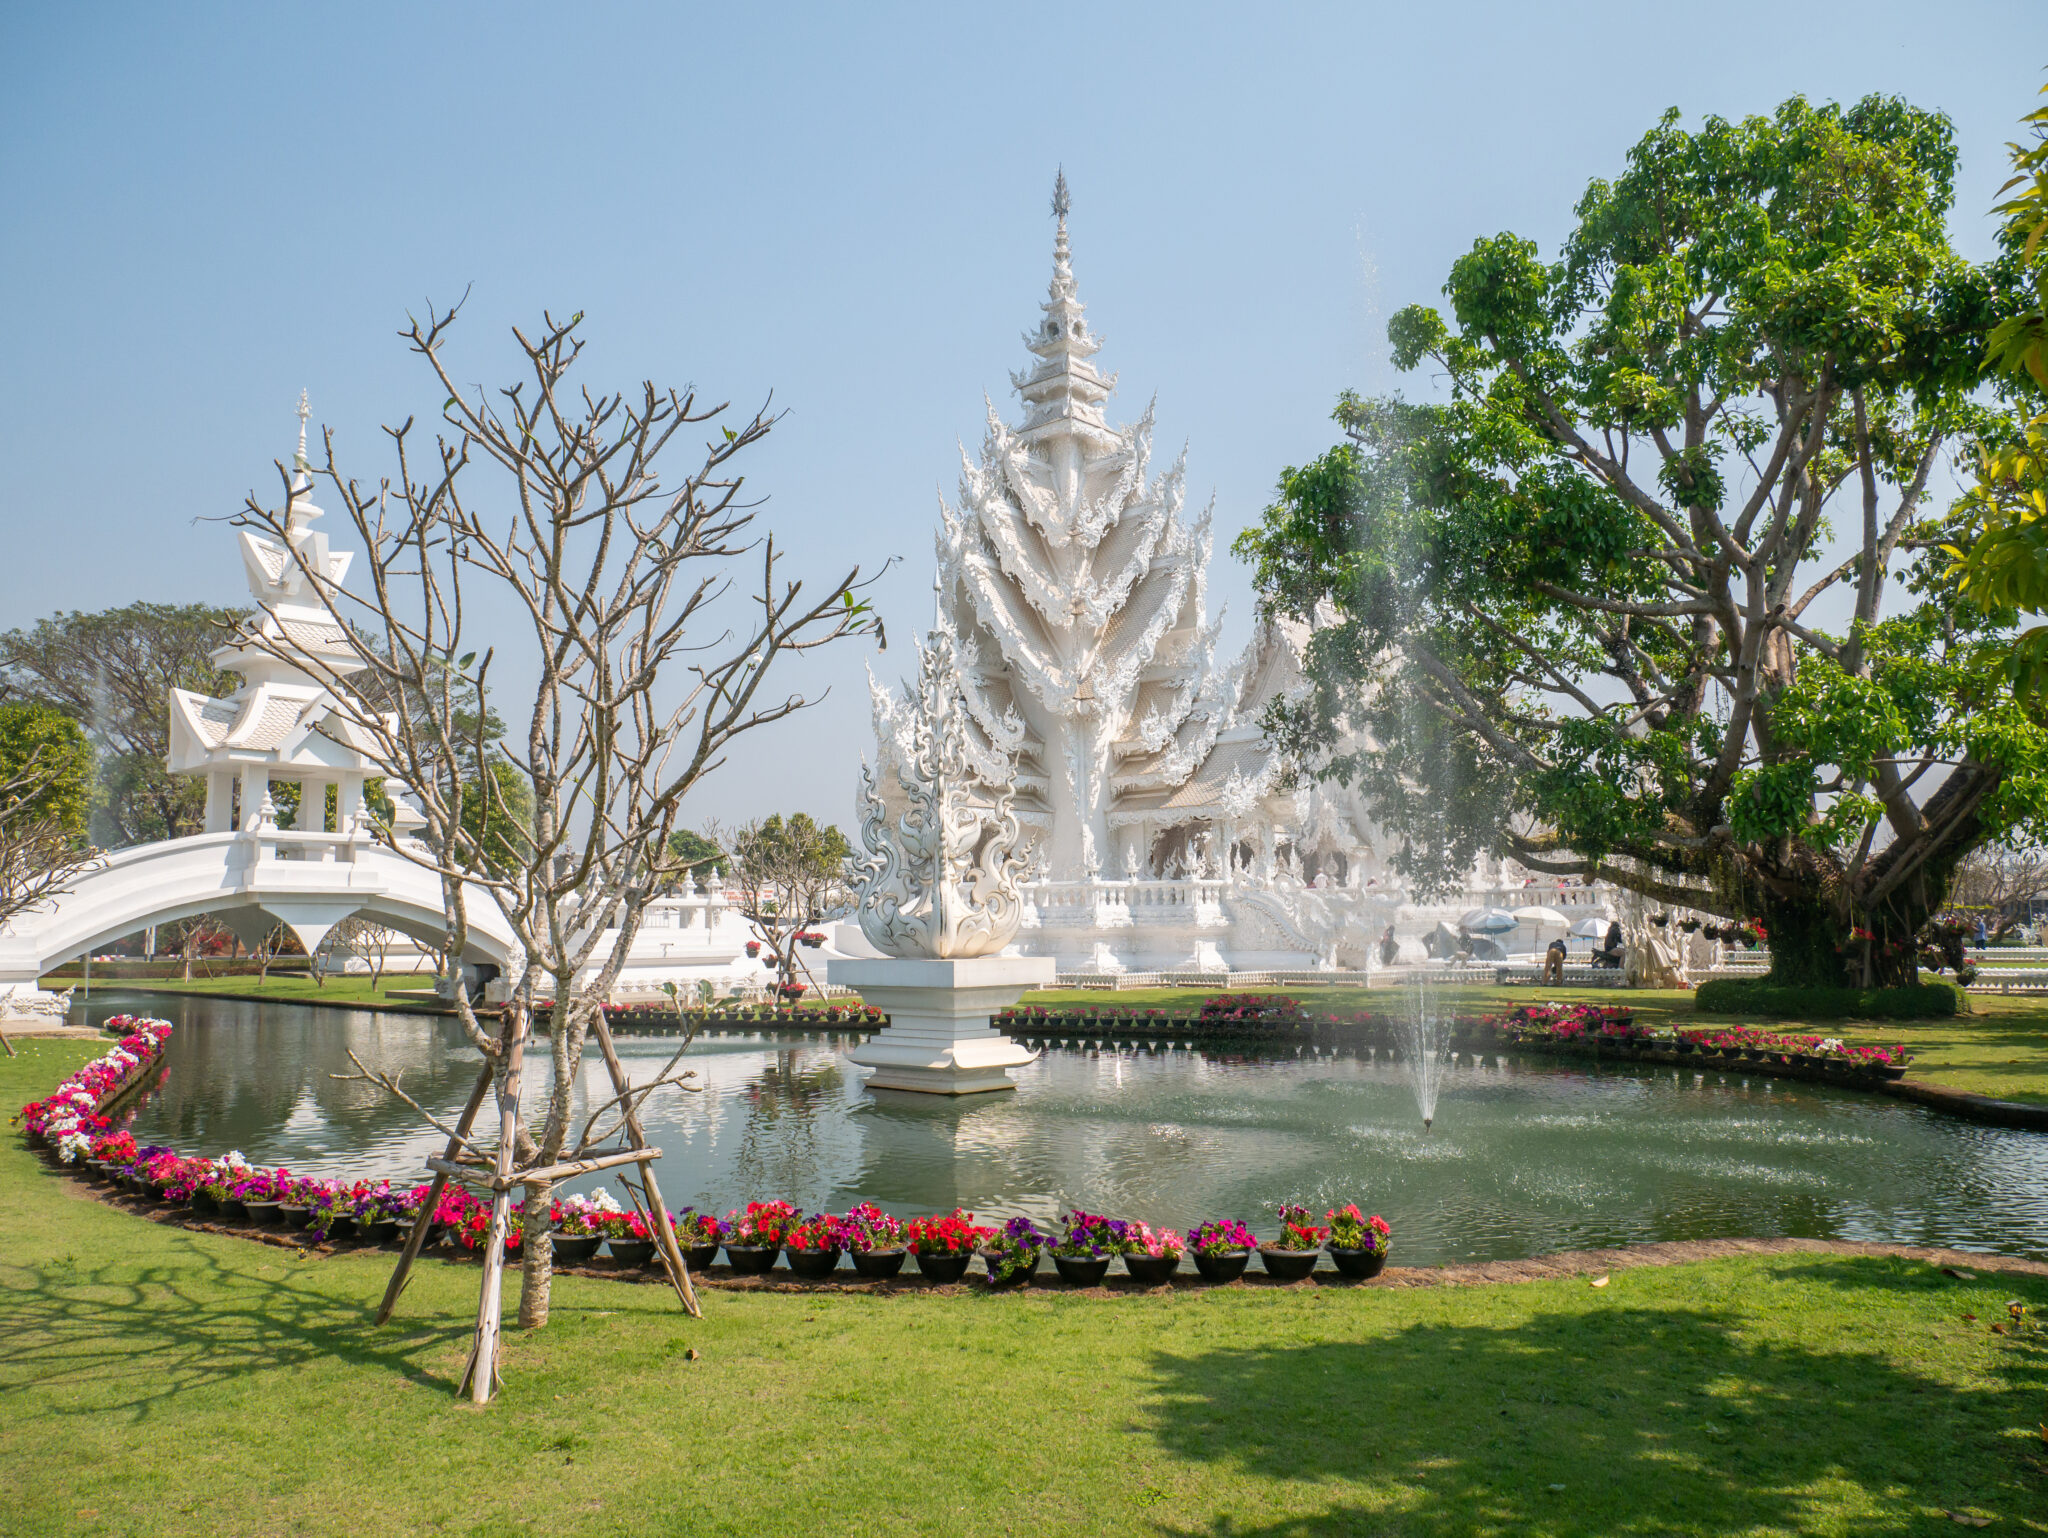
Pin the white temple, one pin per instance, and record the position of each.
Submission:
(1072, 587)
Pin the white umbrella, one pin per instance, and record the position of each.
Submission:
(1591, 929)
(1487, 921)
(1537, 916)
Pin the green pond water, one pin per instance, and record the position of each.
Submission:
(1526, 1157)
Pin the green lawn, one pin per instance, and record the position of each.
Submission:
(164, 1382)
(286, 988)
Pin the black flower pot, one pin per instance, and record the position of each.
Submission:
(1081, 1270)
(698, 1257)
(1224, 1266)
(234, 1211)
(949, 1267)
(1287, 1265)
(573, 1249)
(1025, 1267)
(632, 1252)
(378, 1230)
(1152, 1270)
(750, 1259)
(293, 1215)
(877, 1264)
(813, 1265)
(205, 1201)
(1358, 1263)
(341, 1226)
(263, 1212)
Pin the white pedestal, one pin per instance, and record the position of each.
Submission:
(939, 1039)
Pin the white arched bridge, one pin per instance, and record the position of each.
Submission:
(249, 880)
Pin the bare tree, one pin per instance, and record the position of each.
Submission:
(547, 500)
(2000, 881)
(278, 940)
(197, 939)
(363, 937)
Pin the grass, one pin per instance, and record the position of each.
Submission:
(287, 988)
(163, 1381)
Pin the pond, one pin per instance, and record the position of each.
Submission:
(1527, 1157)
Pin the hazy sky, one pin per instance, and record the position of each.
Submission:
(208, 208)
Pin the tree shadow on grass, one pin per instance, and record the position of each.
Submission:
(1919, 1278)
(1616, 1421)
(132, 1336)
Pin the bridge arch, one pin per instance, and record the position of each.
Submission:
(250, 880)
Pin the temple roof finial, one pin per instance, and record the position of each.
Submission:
(299, 460)
(1060, 201)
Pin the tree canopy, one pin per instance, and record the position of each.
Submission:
(111, 672)
(44, 753)
(693, 852)
(1649, 598)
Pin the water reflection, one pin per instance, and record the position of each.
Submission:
(1525, 1157)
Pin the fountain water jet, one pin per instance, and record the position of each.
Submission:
(1425, 1036)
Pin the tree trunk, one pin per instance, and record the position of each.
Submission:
(1806, 942)
(536, 1257)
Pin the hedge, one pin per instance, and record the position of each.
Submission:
(1760, 996)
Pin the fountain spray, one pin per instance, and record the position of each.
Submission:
(1423, 1033)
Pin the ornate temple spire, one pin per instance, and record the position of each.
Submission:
(302, 511)
(1064, 391)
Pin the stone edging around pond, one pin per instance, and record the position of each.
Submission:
(1561, 1266)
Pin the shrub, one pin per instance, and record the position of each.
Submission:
(1759, 996)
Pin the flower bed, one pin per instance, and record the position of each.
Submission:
(231, 1189)
(1573, 1022)
(1749, 1042)
(663, 1015)
(71, 1115)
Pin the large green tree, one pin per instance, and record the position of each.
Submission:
(111, 672)
(45, 792)
(1647, 598)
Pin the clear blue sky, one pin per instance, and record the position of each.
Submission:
(208, 208)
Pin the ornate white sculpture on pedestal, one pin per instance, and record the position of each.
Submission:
(939, 896)
(943, 882)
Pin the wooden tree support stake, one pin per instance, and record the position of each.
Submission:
(423, 1220)
(481, 1379)
(553, 1172)
(657, 1214)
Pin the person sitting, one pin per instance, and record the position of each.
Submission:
(1609, 954)
(1389, 947)
(1553, 962)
